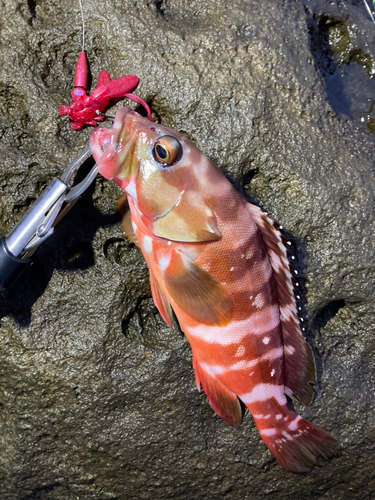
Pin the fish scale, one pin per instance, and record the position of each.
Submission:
(220, 264)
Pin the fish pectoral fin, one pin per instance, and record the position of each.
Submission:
(160, 300)
(193, 224)
(122, 208)
(222, 400)
(196, 292)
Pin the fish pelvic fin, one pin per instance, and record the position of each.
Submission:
(297, 445)
(299, 361)
(223, 401)
(123, 210)
(160, 300)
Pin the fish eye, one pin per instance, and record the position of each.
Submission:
(167, 151)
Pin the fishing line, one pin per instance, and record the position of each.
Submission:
(369, 11)
(83, 26)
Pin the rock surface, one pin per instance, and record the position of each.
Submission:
(97, 395)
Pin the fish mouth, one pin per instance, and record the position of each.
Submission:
(113, 148)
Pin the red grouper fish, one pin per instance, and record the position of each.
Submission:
(221, 265)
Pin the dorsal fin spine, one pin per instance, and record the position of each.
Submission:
(298, 358)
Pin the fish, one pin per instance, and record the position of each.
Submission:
(219, 263)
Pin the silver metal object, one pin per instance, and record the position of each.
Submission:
(28, 226)
(57, 199)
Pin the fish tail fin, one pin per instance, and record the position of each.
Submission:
(296, 444)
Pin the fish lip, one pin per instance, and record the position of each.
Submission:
(122, 122)
(112, 163)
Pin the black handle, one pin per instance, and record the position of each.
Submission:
(11, 267)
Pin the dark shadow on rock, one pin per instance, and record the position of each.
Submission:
(345, 67)
(32, 7)
(319, 29)
(319, 321)
(68, 249)
(327, 313)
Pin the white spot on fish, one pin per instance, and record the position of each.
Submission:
(242, 256)
(294, 424)
(134, 226)
(268, 432)
(289, 349)
(287, 313)
(240, 351)
(262, 322)
(270, 355)
(249, 254)
(288, 436)
(273, 373)
(164, 262)
(131, 191)
(169, 243)
(117, 125)
(262, 392)
(266, 340)
(190, 252)
(232, 268)
(213, 369)
(278, 416)
(259, 301)
(147, 244)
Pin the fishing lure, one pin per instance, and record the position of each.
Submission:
(221, 265)
(89, 109)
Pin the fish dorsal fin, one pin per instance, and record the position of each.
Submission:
(193, 224)
(223, 401)
(195, 291)
(122, 208)
(160, 300)
(298, 357)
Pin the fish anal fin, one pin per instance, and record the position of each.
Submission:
(299, 361)
(223, 401)
(160, 300)
(196, 292)
(122, 208)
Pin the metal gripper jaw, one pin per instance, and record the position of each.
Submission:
(38, 224)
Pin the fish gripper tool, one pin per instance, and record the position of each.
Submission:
(17, 249)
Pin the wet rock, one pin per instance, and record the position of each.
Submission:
(97, 396)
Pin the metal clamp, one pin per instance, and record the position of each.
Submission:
(39, 222)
